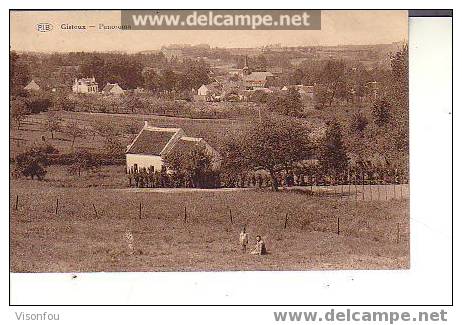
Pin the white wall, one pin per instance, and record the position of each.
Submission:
(145, 161)
(202, 91)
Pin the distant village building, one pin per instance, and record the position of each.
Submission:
(85, 86)
(139, 90)
(209, 92)
(254, 80)
(152, 144)
(32, 86)
(112, 89)
(257, 80)
(306, 92)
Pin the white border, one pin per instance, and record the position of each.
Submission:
(428, 281)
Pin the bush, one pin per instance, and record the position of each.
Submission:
(83, 160)
(31, 163)
(381, 112)
(38, 103)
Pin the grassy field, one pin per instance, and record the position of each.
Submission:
(78, 239)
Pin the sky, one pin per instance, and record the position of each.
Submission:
(338, 27)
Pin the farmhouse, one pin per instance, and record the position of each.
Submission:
(152, 144)
(85, 86)
(112, 89)
(32, 86)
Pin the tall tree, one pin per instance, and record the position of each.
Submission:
(19, 74)
(273, 144)
(294, 105)
(381, 112)
(18, 111)
(193, 165)
(74, 130)
(332, 151)
(53, 124)
(334, 76)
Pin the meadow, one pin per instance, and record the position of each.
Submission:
(59, 229)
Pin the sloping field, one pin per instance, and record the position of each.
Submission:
(33, 128)
(80, 237)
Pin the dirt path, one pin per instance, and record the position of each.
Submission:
(180, 190)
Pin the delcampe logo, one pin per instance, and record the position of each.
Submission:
(44, 27)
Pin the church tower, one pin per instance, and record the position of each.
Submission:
(246, 69)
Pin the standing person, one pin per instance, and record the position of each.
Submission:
(243, 240)
(260, 247)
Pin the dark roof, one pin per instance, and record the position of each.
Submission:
(108, 87)
(258, 76)
(151, 142)
(186, 144)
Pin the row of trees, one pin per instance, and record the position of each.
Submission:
(151, 71)
(190, 75)
(275, 151)
(34, 161)
(284, 102)
(28, 103)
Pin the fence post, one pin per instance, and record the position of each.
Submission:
(94, 209)
(185, 214)
(285, 223)
(363, 186)
(338, 226)
(397, 236)
(370, 188)
(16, 205)
(356, 194)
(140, 211)
(57, 204)
(230, 216)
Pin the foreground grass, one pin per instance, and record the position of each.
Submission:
(78, 239)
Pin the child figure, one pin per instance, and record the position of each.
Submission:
(243, 240)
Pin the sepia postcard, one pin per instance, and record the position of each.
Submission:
(208, 140)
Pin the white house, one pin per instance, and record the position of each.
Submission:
(153, 143)
(85, 86)
(32, 86)
(203, 90)
(112, 89)
(209, 92)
